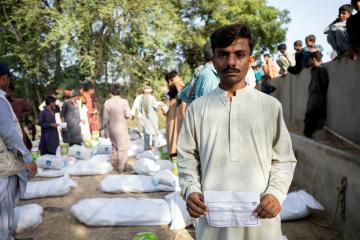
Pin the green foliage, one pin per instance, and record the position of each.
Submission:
(62, 43)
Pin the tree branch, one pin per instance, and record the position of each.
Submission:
(9, 26)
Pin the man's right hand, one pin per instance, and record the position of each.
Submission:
(32, 168)
(195, 205)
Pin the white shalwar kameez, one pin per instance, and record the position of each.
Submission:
(239, 145)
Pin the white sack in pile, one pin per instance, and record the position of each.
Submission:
(148, 166)
(48, 161)
(80, 152)
(104, 146)
(122, 212)
(137, 146)
(131, 153)
(101, 158)
(165, 177)
(49, 188)
(298, 205)
(180, 217)
(131, 183)
(154, 155)
(50, 173)
(27, 217)
(90, 167)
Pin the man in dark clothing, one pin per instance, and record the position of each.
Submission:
(49, 141)
(71, 115)
(316, 105)
(352, 26)
(299, 55)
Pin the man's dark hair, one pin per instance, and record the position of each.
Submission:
(346, 8)
(208, 52)
(266, 55)
(87, 86)
(49, 99)
(317, 55)
(298, 42)
(311, 38)
(170, 75)
(226, 35)
(115, 90)
(4, 69)
(282, 46)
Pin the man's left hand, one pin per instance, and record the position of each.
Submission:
(269, 207)
(32, 169)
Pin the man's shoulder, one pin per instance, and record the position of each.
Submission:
(205, 98)
(266, 99)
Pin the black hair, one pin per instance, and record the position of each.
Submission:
(266, 55)
(317, 55)
(87, 86)
(49, 99)
(346, 8)
(298, 42)
(282, 46)
(115, 90)
(311, 38)
(208, 53)
(226, 35)
(170, 75)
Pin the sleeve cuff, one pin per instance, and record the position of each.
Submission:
(27, 158)
(190, 190)
(277, 194)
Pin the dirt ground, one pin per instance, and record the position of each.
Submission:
(58, 224)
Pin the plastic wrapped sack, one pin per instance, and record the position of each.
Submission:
(49, 188)
(180, 217)
(131, 153)
(297, 205)
(50, 173)
(132, 183)
(101, 158)
(154, 155)
(122, 212)
(165, 177)
(48, 161)
(148, 166)
(80, 152)
(27, 217)
(161, 140)
(91, 167)
(137, 146)
(104, 146)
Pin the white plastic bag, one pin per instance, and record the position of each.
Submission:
(131, 153)
(122, 212)
(27, 217)
(297, 205)
(91, 167)
(101, 158)
(165, 177)
(161, 140)
(49, 188)
(80, 152)
(148, 166)
(180, 217)
(104, 146)
(154, 155)
(48, 161)
(131, 183)
(137, 145)
(50, 173)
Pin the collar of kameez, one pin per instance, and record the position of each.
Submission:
(2, 93)
(222, 92)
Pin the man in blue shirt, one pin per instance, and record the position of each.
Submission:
(204, 79)
(12, 179)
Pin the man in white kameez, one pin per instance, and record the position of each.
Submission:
(235, 139)
(16, 163)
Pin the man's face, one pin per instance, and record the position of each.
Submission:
(356, 5)
(297, 47)
(232, 62)
(344, 15)
(310, 44)
(4, 82)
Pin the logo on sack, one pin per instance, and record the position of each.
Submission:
(78, 154)
(47, 163)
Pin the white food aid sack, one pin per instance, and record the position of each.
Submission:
(49, 188)
(132, 183)
(48, 161)
(51, 173)
(101, 158)
(91, 167)
(154, 155)
(165, 177)
(298, 205)
(180, 217)
(137, 146)
(148, 166)
(27, 217)
(122, 212)
(80, 152)
(104, 146)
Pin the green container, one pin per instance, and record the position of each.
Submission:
(145, 236)
(64, 149)
(35, 154)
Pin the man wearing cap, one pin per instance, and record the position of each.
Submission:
(16, 163)
(71, 115)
